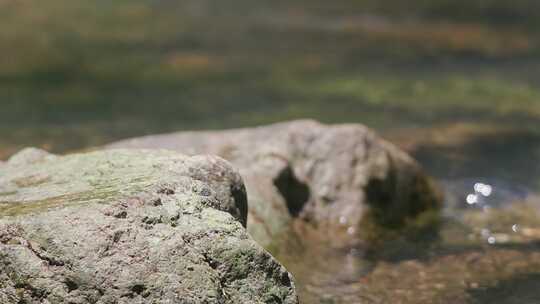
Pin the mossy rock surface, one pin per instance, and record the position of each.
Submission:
(133, 226)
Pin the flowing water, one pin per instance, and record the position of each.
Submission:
(454, 83)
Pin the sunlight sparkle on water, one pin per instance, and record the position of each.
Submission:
(483, 189)
(472, 199)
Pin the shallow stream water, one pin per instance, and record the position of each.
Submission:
(486, 250)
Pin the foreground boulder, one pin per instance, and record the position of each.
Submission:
(330, 176)
(130, 227)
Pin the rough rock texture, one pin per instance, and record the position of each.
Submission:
(331, 176)
(30, 156)
(130, 227)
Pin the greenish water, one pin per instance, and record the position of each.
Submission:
(452, 82)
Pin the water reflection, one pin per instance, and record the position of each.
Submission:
(459, 154)
(482, 198)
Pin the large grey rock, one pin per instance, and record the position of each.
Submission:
(130, 227)
(335, 177)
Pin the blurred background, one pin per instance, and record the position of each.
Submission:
(454, 82)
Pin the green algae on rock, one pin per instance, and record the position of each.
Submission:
(131, 227)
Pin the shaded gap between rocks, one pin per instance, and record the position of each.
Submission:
(295, 192)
